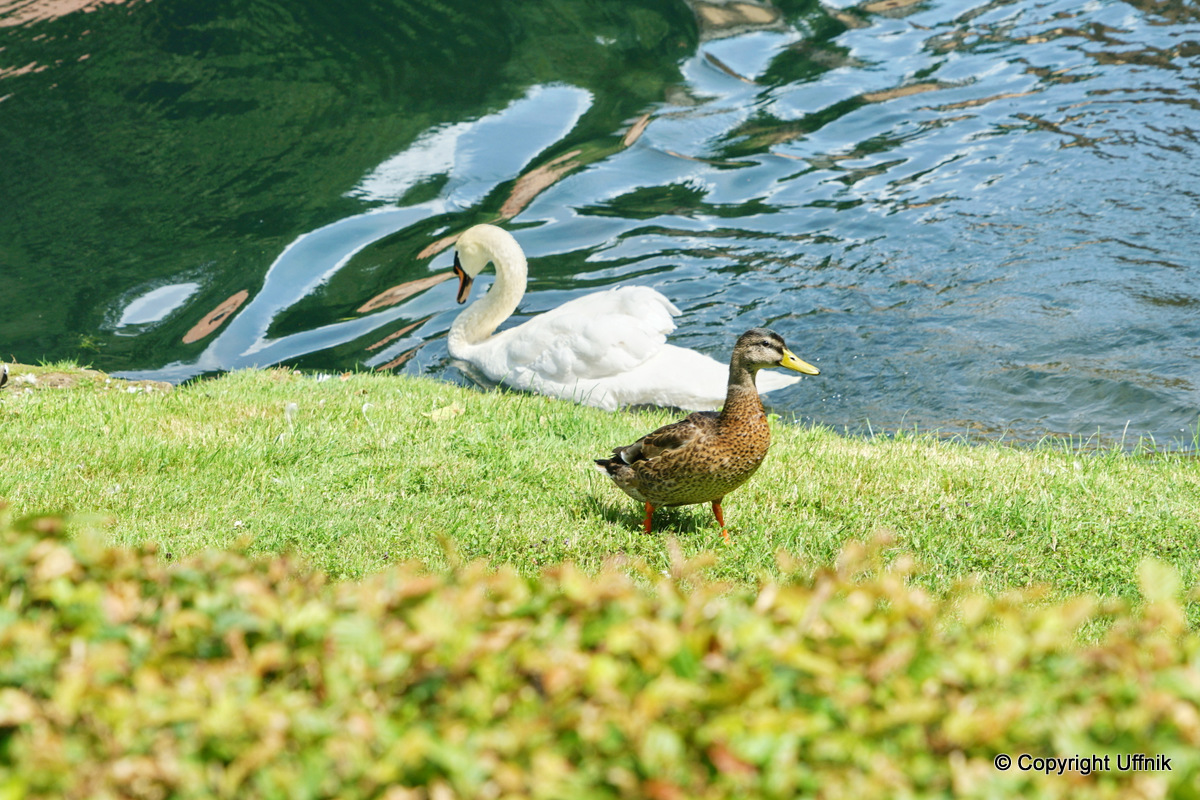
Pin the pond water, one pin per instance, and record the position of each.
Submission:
(975, 217)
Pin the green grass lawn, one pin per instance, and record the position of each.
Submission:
(863, 671)
(358, 472)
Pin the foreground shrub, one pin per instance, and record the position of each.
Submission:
(122, 676)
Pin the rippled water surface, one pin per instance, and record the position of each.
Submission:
(975, 217)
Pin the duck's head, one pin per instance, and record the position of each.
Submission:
(759, 348)
(475, 249)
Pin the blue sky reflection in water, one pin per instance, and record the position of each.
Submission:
(976, 217)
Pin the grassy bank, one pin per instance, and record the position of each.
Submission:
(353, 474)
(181, 667)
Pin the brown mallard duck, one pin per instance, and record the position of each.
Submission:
(706, 455)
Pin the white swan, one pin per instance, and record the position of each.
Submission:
(606, 349)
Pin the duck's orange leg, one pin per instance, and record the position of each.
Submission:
(716, 506)
(649, 514)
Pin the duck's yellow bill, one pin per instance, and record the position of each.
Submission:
(791, 362)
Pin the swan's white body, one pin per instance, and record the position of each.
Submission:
(606, 349)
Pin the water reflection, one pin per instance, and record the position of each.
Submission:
(463, 157)
(979, 215)
(152, 307)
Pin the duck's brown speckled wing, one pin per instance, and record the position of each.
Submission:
(675, 436)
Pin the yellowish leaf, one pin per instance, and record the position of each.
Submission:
(444, 413)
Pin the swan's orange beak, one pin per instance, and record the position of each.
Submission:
(464, 281)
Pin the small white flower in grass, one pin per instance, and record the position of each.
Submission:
(289, 416)
(237, 523)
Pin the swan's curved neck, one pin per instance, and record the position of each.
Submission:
(482, 317)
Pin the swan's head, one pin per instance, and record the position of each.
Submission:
(476, 247)
(759, 348)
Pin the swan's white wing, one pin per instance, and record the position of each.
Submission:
(598, 336)
(674, 376)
